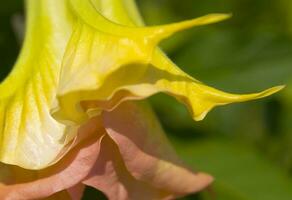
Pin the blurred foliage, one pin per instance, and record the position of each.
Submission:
(241, 173)
(247, 147)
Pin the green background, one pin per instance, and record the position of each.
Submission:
(247, 147)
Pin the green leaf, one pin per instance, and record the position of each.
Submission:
(241, 173)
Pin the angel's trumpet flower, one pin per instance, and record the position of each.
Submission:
(67, 111)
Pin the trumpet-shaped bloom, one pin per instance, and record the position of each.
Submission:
(63, 109)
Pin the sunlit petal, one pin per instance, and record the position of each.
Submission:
(107, 63)
(29, 136)
(75, 166)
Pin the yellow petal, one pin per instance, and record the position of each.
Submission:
(108, 62)
(29, 136)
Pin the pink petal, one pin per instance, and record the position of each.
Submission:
(147, 153)
(110, 176)
(67, 173)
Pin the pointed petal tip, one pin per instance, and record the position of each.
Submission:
(164, 31)
(271, 91)
(203, 181)
(200, 117)
(215, 17)
(205, 178)
(279, 87)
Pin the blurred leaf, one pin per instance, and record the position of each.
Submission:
(217, 57)
(241, 172)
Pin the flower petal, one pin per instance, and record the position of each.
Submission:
(147, 153)
(29, 136)
(75, 166)
(199, 98)
(107, 63)
(110, 176)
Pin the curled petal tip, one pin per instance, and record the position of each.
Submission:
(200, 117)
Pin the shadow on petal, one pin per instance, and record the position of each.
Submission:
(146, 151)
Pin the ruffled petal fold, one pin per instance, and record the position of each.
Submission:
(111, 176)
(107, 63)
(147, 156)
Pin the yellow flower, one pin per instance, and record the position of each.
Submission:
(80, 61)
